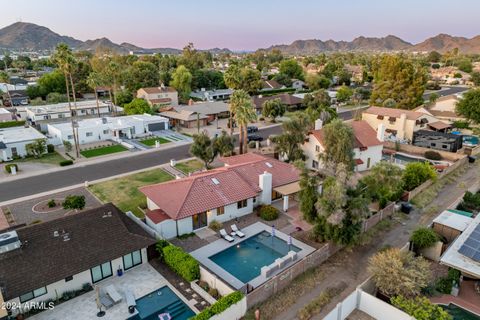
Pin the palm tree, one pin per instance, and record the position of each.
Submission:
(65, 61)
(6, 79)
(243, 110)
(94, 81)
(112, 74)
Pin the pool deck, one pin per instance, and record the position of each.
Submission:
(203, 254)
(467, 298)
(140, 280)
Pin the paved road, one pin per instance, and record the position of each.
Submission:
(61, 179)
(446, 92)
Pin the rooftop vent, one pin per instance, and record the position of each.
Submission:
(215, 181)
(268, 164)
(55, 233)
(9, 241)
(107, 214)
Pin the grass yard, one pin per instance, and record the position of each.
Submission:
(102, 151)
(151, 141)
(123, 192)
(189, 166)
(53, 158)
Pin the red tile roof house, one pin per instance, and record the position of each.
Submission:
(367, 146)
(189, 204)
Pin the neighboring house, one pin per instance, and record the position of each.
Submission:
(437, 140)
(13, 142)
(356, 71)
(18, 97)
(107, 128)
(185, 118)
(220, 194)
(367, 147)
(40, 262)
(292, 102)
(212, 110)
(40, 116)
(268, 85)
(5, 115)
(447, 75)
(298, 84)
(212, 95)
(451, 223)
(161, 96)
(19, 83)
(443, 109)
(399, 124)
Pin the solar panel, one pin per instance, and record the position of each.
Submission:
(471, 246)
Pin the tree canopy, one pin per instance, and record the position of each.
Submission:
(383, 183)
(338, 140)
(469, 105)
(273, 108)
(137, 106)
(416, 173)
(182, 81)
(291, 68)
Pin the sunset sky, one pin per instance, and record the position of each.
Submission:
(244, 24)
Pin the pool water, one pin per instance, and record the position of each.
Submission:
(458, 313)
(163, 300)
(245, 259)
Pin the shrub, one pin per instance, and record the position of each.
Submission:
(66, 163)
(9, 124)
(268, 212)
(433, 155)
(181, 262)
(420, 308)
(417, 173)
(215, 225)
(50, 148)
(423, 238)
(86, 287)
(461, 124)
(160, 245)
(445, 284)
(252, 144)
(470, 202)
(213, 292)
(74, 202)
(51, 203)
(8, 167)
(218, 307)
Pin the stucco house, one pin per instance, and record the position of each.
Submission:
(13, 141)
(161, 96)
(367, 150)
(220, 194)
(443, 109)
(5, 115)
(40, 262)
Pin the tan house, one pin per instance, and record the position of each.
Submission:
(398, 124)
(185, 118)
(159, 96)
(443, 109)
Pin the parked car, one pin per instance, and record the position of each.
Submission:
(254, 137)
(252, 129)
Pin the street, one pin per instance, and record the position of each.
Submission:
(445, 92)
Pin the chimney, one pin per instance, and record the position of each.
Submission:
(318, 124)
(265, 183)
(381, 132)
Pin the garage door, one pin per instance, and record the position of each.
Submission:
(156, 126)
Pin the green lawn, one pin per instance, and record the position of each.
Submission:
(103, 151)
(49, 158)
(189, 166)
(123, 192)
(151, 141)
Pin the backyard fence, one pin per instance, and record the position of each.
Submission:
(379, 216)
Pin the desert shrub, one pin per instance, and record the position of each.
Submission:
(423, 238)
(50, 148)
(268, 212)
(433, 155)
(213, 292)
(181, 262)
(74, 202)
(215, 225)
(8, 167)
(51, 203)
(65, 163)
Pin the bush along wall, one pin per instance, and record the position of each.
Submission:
(218, 307)
(181, 262)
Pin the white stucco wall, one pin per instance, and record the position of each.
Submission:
(166, 229)
(374, 153)
(185, 225)
(309, 149)
(231, 212)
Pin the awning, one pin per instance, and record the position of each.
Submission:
(358, 161)
(439, 125)
(288, 189)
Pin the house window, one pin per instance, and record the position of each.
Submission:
(69, 278)
(70, 137)
(368, 163)
(105, 131)
(89, 134)
(33, 294)
(317, 148)
(241, 204)
(132, 259)
(60, 115)
(314, 164)
(444, 146)
(101, 272)
(220, 211)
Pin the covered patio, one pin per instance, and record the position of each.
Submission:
(288, 204)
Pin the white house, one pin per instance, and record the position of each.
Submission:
(107, 128)
(298, 84)
(367, 149)
(212, 95)
(221, 194)
(13, 141)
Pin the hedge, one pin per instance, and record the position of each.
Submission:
(66, 163)
(218, 307)
(181, 263)
(268, 212)
(8, 167)
(9, 124)
(433, 155)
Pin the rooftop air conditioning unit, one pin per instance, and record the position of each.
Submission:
(9, 241)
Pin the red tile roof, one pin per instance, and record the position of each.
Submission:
(358, 161)
(365, 136)
(161, 100)
(219, 187)
(391, 112)
(153, 90)
(157, 215)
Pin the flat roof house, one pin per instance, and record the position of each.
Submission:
(41, 261)
(221, 194)
(367, 146)
(107, 128)
(212, 95)
(161, 96)
(13, 141)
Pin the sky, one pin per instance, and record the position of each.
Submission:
(244, 24)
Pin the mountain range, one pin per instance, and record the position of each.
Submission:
(32, 37)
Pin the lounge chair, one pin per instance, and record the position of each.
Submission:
(106, 301)
(225, 236)
(237, 231)
(113, 294)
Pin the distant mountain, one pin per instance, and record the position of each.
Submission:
(445, 42)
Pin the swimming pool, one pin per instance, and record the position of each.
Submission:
(163, 300)
(245, 260)
(458, 313)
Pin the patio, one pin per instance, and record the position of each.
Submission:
(467, 298)
(140, 281)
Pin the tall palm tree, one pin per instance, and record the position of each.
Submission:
(65, 61)
(243, 110)
(94, 81)
(112, 74)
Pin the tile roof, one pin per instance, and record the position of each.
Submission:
(286, 98)
(183, 115)
(365, 136)
(219, 187)
(391, 112)
(162, 100)
(439, 125)
(271, 84)
(44, 259)
(157, 215)
(153, 90)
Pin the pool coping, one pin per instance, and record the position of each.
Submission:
(202, 254)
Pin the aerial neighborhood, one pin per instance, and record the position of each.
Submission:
(333, 180)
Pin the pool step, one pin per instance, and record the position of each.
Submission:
(175, 308)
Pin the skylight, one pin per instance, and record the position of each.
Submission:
(214, 180)
(269, 164)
